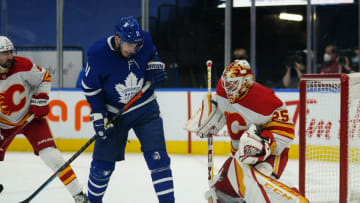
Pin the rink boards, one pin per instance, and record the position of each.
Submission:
(71, 126)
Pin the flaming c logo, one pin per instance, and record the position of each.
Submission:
(7, 104)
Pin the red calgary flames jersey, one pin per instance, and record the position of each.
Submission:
(17, 87)
(259, 106)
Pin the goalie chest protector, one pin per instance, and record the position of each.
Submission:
(256, 107)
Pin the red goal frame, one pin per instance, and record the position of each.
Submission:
(344, 108)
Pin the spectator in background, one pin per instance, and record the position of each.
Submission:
(240, 54)
(294, 70)
(355, 58)
(331, 58)
(344, 63)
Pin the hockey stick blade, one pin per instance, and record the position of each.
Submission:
(86, 145)
(9, 138)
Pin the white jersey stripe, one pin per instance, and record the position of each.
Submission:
(92, 93)
(97, 186)
(164, 192)
(162, 180)
(95, 194)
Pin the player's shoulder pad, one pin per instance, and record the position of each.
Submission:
(261, 100)
(21, 64)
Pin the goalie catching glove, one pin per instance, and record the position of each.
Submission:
(207, 120)
(252, 147)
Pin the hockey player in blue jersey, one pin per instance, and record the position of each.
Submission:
(117, 69)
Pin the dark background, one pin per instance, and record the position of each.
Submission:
(187, 33)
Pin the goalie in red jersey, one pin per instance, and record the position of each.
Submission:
(261, 132)
(24, 89)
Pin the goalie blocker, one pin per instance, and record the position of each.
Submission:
(207, 119)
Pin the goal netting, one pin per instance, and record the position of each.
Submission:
(329, 137)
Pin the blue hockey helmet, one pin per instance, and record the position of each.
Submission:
(129, 30)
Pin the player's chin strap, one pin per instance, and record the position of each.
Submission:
(87, 144)
(3, 69)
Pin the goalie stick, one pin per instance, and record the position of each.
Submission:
(210, 136)
(9, 138)
(86, 145)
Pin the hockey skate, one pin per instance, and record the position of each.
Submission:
(81, 198)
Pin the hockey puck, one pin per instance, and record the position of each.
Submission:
(1, 188)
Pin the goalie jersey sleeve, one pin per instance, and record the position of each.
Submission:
(259, 106)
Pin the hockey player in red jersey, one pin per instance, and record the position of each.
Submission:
(261, 132)
(24, 89)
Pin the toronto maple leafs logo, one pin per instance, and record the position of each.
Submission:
(129, 89)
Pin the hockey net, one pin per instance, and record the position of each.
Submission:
(329, 137)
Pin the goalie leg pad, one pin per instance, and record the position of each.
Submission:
(265, 168)
(100, 172)
(158, 163)
(222, 182)
(224, 198)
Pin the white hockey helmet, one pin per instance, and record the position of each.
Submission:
(236, 79)
(5, 44)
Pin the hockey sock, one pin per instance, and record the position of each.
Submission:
(159, 164)
(100, 172)
(54, 160)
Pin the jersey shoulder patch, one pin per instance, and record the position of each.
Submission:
(261, 99)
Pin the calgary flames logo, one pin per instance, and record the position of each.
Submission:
(7, 103)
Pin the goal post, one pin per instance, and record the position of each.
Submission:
(329, 137)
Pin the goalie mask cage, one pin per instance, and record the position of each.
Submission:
(329, 137)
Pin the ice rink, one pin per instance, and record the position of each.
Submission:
(22, 173)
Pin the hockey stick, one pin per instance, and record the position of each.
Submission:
(210, 136)
(86, 145)
(17, 131)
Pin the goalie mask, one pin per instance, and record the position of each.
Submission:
(237, 80)
(6, 54)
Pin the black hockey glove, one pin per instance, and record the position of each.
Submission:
(155, 73)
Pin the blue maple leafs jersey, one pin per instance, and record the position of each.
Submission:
(111, 80)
